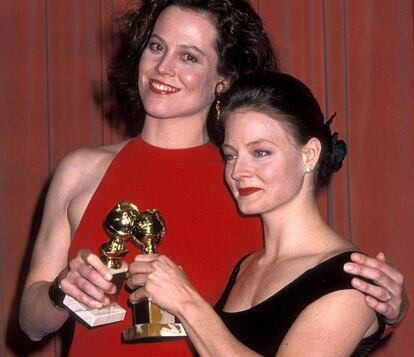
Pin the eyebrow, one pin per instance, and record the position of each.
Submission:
(184, 46)
(195, 48)
(259, 141)
(227, 146)
(251, 143)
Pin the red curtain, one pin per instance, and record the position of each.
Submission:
(357, 56)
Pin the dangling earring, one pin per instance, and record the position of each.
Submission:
(308, 167)
(218, 111)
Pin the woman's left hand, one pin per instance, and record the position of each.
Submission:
(389, 297)
(162, 282)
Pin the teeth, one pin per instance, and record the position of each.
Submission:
(162, 87)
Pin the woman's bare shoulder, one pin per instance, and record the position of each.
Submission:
(89, 161)
(93, 155)
(83, 168)
(334, 244)
(76, 178)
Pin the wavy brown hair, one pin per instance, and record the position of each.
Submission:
(242, 45)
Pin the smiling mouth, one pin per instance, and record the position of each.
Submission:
(248, 191)
(162, 88)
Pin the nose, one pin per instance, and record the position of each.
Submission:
(240, 169)
(165, 65)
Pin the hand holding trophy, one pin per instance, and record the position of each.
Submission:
(146, 229)
(151, 323)
(118, 224)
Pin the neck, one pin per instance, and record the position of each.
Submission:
(296, 228)
(175, 133)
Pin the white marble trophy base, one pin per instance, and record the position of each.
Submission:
(95, 317)
(106, 315)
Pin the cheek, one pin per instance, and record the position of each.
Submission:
(145, 62)
(141, 88)
(227, 175)
(143, 67)
(269, 173)
(193, 80)
(199, 80)
(280, 175)
(292, 176)
(231, 183)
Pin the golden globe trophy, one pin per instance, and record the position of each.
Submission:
(118, 224)
(151, 323)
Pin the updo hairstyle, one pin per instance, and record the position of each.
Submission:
(279, 93)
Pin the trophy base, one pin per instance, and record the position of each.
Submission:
(153, 332)
(95, 317)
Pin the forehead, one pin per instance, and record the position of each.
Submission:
(195, 28)
(249, 125)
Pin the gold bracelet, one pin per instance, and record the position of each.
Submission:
(56, 294)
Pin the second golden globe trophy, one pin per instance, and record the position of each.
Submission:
(151, 323)
(118, 224)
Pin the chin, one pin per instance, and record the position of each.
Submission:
(249, 210)
(157, 111)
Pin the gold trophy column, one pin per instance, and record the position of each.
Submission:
(118, 224)
(151, 323)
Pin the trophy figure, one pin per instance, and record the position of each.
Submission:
(151, 323)
(118, 224)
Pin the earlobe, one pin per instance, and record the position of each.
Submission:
(311, 152)
(222, 86)
(308, 167)
(219, 88)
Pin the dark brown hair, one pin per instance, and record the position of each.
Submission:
(279, 93)
(242, 44)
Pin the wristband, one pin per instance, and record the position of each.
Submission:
(56, 294)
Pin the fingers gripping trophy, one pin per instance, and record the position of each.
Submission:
(118, 224)
(150, 321)
(146, 229)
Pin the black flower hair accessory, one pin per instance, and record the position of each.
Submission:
(335, 155)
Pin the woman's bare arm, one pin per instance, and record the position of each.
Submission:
(331, 326)
(73, 184)
(38, 316)
(168, 287)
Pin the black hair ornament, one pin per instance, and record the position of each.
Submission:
(335, 156)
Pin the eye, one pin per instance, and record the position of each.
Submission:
(190, 58)
(155, 47)
(229, 157)
(261, 153)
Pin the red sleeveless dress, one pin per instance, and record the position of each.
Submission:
(205, 233)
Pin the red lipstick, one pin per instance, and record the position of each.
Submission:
(248, 190)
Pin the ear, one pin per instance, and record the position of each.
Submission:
(222, 85)
(310, 154)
